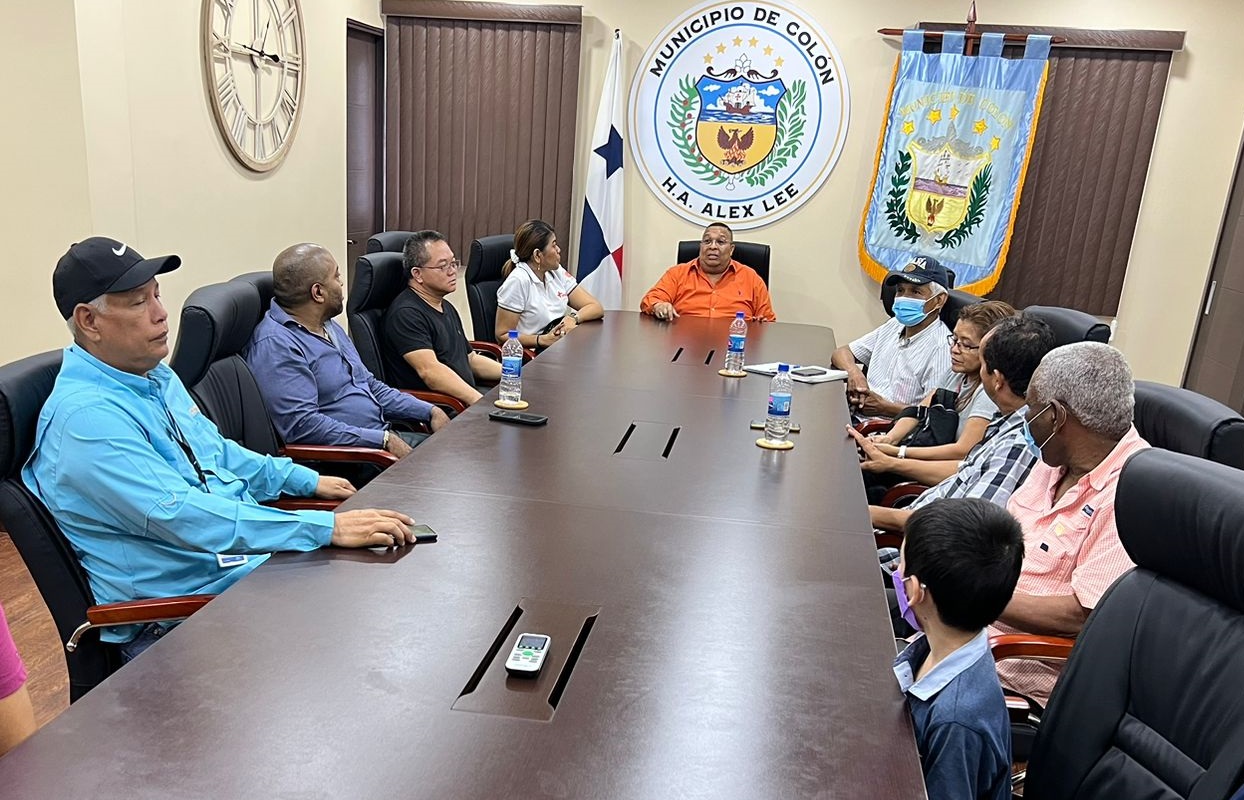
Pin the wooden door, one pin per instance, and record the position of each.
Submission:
(1216, 367)
(364, 139)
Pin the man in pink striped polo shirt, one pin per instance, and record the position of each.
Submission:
(1079, 417)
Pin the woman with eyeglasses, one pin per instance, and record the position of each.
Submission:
(970, 403)
(539, 298)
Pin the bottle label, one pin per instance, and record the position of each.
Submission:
(512, 367)
(736, 343)
(779, 405)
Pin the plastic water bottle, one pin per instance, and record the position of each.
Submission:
(512, 369)
(777, 424)
(738, 340)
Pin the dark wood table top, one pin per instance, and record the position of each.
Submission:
(718, 624)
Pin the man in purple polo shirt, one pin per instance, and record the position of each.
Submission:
(312, 379)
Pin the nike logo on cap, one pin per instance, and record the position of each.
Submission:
(119, 251)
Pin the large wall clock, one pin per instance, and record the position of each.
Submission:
(253, 61)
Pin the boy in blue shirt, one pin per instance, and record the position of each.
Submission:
(959, 565)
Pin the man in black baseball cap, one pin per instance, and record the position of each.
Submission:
(155, 502)
(100, 265)
(907, 357)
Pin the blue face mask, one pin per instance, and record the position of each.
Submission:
(909, 311)
(904, 606)
(1033, 447)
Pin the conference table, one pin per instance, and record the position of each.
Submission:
(718, 625)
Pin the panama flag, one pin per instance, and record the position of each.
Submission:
(600, 241)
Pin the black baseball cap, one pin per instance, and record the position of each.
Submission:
(100, 265)
(921, 270)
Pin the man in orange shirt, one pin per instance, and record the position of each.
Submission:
(1080, 405)
(714, 285)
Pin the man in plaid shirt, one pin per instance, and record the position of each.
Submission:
(1010, 353)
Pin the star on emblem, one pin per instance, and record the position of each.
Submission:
(909, 127)
(721, 48)
(708, 58)
(738, 41)
(935, 116)
(752, 42)
(768, 50)
(779, 61)
(995, 143)
(954, 111)
(979, 126)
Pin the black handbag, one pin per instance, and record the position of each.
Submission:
(938, 422)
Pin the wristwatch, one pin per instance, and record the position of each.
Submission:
(574, 315)
(385, 442)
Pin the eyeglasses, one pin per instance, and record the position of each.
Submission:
(719, 242)
(954, 341)
(452, 266)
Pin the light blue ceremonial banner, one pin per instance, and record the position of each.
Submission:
(952, 157)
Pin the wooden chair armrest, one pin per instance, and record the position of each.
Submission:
(888, 539)
(1029, 645)
(138, 612)
(303, 504)
(451, 405)
(874, 426)
(901, 491)
(488, 349)
(316, 452)
(1019, 709)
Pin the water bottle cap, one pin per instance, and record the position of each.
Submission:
(783, 367)
(513, 334)
(738, 315)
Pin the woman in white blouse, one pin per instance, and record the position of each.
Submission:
(539, 298)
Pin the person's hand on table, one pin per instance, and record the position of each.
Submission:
(330, 487)
(372, 527)
(872, 459)
(568, 324)
(857, 383)
(664, 311)
(397, 445)
(439, 420)
(871, 404)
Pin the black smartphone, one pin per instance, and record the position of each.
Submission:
(809, 372)
(423, 533)
(759, 425)
(518, 417)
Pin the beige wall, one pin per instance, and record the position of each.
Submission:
(134, 154)
(43, 191)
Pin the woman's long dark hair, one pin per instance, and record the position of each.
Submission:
(532, 235)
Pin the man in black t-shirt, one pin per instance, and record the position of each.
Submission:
(424, 345)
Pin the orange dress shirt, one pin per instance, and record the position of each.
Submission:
(1070, 547)
(688, 290)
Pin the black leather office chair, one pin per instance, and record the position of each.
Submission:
(1149, 704)
(262, 281)
(24, 387)
(216, 323)
(752, 254)
(483, 278)
(956, 301)
(388, 241)
(1187, 422)
(1070, 325)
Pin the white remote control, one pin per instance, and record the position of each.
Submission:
(528, 654)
